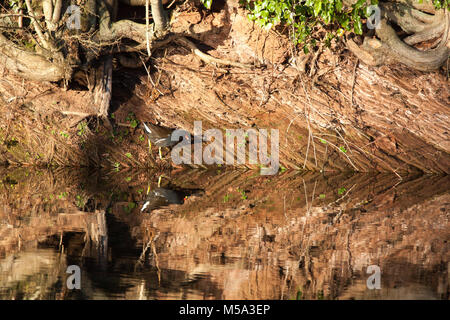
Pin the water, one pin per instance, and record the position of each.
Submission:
(225, 235)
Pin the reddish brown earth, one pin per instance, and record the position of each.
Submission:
(307, 233)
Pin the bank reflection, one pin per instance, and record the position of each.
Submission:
(231, 235)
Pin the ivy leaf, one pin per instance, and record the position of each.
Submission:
(317, 7)
(207, 3)
(357, 24)
(359, 4)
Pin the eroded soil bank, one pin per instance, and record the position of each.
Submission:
(290, 236)
(386, 119)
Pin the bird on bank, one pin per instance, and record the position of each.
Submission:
(160, 136)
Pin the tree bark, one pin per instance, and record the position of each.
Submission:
(31, 65)
(159, 17)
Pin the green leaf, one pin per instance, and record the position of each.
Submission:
(207, 3)
(317, 7)
(359, 4)
(357, 25)
(133, 123)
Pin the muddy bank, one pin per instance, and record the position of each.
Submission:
(289, 236)
(333, 113)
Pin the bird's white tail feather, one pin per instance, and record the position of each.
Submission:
(147, 128)
(145, 206)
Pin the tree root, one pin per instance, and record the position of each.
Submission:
(112, 31)
(209, 59)
(33, 66)
(389, 47)
(428, 60)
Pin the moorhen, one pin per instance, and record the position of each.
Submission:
(161, 136)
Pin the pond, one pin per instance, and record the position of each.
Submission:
(222, 234)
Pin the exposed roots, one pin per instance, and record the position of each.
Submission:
(421, 27)
(31, 65)
(209, 59)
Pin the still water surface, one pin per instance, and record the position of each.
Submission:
(221, 234)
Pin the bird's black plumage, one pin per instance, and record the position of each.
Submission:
(161, 197)
(158, 135)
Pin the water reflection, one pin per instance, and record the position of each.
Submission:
(222, 235)
(161, 197)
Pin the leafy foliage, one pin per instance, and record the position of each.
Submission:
(302, 16)
(439, 4)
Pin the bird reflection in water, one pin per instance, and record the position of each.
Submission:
(161, 197)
